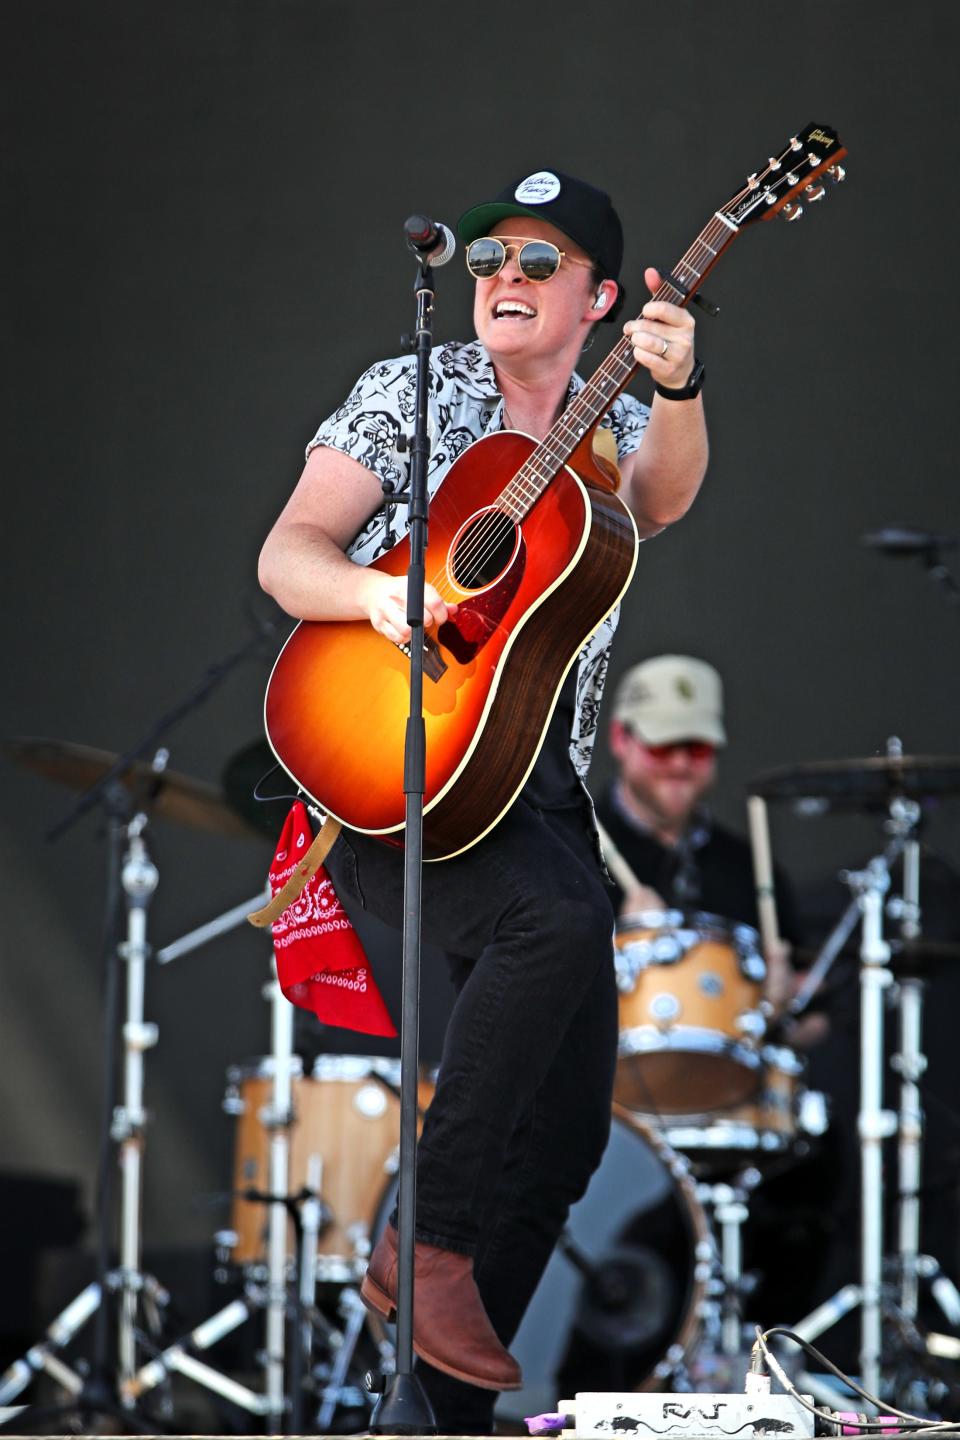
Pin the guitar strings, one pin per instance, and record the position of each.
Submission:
(489, 532)
(487, 536)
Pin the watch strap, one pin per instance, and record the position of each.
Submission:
(686, 392)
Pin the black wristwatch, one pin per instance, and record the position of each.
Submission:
(686, 392)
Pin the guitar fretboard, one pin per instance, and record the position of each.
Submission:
(603, 387)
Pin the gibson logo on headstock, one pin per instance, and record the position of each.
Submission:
(819, 136)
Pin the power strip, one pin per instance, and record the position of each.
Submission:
(601, 1415)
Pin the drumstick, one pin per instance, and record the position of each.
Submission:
(763, 871)
(615, 862)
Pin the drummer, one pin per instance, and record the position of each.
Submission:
(666, 730)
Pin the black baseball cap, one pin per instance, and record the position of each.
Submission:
(580, 210)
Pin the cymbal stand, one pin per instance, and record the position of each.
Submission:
(277, 1119)
(910, 1064)
(102, 1392)
(139, 879)
(278, 1116)
(869, 888)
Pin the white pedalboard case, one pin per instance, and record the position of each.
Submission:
(603, 1415)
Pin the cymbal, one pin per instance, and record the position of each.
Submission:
(862, 783)
(168, 795)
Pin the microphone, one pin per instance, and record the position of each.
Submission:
(907, 540)
(429, 239)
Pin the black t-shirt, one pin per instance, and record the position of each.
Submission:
(553, 783)
(711, 869)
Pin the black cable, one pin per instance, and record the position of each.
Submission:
(917, 1424)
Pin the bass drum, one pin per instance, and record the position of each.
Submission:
(620, 1304)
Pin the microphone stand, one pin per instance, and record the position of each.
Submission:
(936, 568)
(403, 1407)
(927, 546)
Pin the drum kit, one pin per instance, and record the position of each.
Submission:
(647, 1288)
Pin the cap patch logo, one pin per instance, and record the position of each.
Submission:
(684, 688)
(538, 189)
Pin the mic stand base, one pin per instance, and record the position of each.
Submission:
(403, 1408)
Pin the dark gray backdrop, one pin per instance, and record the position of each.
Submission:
(203, 210)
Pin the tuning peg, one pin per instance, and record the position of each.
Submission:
(814, 192)
(836, 173)
(791, 211)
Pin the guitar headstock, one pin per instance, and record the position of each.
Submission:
(789, 178)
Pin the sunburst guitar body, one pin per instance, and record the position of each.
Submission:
(530, 592)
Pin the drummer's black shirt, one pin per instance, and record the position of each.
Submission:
(710, 869)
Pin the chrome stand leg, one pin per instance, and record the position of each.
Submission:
(278, 1120)
(910, 1064)
(139, 878)
(874, 1124)
(731, 1212)
(353, 1308)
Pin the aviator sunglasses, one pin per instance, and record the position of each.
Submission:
(538, 260)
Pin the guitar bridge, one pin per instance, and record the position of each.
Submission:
(434, 665)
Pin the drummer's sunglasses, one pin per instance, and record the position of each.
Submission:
(538, 259)
(696, 749)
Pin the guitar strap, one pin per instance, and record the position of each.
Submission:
(301, 877)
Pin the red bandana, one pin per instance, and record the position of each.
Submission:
(320, 961)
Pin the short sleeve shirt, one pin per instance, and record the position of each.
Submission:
(463, 404)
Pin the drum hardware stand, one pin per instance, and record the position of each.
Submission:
(102, 1391)
(105, 1389)
(355, 1316)
(310, 1221)
(307, 1211)
(272, 1299)
(910, 1064)
(875, 1124)
(728, 1206)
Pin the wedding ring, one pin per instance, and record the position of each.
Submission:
(666, 347)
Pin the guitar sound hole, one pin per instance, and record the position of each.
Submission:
(484, 550)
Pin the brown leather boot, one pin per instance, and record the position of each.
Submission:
(451, 1329)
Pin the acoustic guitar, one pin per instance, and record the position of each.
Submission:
(535, 547)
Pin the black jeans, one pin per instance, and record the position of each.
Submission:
(521, 1114)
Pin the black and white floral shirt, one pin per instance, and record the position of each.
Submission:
(463, 404)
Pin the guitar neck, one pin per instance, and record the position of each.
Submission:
(603, 387)
(773, 189)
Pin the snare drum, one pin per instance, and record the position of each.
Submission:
(691, 1022)
(347, 1118)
